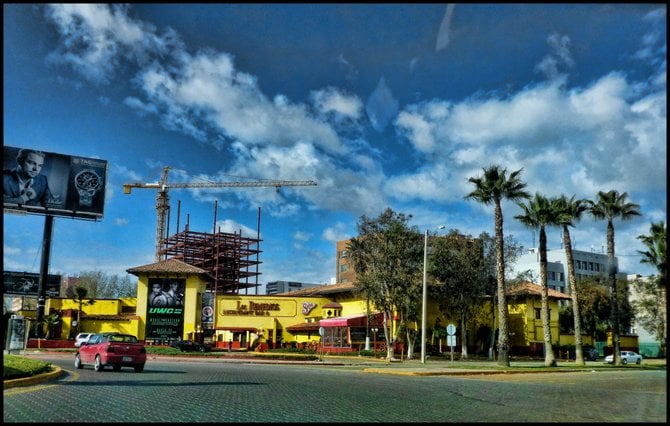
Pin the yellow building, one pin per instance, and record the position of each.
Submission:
(259, 322)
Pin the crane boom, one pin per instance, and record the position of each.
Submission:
(162, 199)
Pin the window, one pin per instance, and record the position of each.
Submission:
(344, 267)
(538, 313)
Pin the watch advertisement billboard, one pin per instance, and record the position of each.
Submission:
(41, 182)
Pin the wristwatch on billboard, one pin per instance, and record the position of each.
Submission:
(87, 182)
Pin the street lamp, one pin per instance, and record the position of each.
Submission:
(425, 296)
(374, 334)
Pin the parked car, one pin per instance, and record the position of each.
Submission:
(190, 346)
(81, 338)
(626, 357)
(115, 349)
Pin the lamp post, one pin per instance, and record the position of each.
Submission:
(424, 297)
(374, 334)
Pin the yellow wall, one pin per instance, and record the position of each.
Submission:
(275, 313)
(100, 307)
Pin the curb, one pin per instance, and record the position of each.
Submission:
(32, 380)
(462, 372)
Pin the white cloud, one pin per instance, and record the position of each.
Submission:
(331, 100)
(337, 232)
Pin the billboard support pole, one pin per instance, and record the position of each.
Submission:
(44, 273)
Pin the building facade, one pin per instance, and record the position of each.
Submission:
(587, 264)
(276, 287)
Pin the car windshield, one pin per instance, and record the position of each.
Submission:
(125, 338)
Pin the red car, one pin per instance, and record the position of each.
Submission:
(115, 349)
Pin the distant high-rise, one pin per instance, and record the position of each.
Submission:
(276, 287)
(587, 264)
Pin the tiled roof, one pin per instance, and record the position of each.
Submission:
(167, 266)
(528, 288)
(304, 326)
(321, 290)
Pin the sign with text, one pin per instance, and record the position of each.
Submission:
(165, 310)
(40, 182)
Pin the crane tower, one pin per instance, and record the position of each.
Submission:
(162, 199)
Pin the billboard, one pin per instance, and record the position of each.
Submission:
(42, 182)
(165, 310)
(26, 284)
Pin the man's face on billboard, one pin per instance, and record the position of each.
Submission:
(32, 165)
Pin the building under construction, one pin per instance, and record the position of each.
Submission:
(231, 259)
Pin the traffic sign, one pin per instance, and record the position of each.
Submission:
(451, 329)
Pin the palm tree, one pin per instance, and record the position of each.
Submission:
(566, 212)
(81, 294)
(538, 213)
(493, 187)
(609, 206)
(51, 321)
(655, 255)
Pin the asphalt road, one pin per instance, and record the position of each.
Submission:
(172, 390)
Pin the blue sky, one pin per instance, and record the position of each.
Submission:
(383, 105)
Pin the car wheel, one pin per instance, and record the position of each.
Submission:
(97, 366)
(77, 362)
(624, 361)
(116, 367)
(139, 368)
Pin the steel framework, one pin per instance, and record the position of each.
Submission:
(232, 260)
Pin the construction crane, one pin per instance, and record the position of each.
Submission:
(162, 199)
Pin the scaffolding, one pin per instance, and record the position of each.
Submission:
(231, 259)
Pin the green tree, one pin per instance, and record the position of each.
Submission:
(538, 213)
(461, 280)
(650, 308)
(566, 212)
(492, 188)
(101, 285)
(387, 258)
(656, 256)
(594, 307)
(610, 206)
(51, 321)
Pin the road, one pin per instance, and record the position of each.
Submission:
(172, 390)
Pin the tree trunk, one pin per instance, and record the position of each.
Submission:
(579, 352)
(503, 337)
(549, 359)
(464, 337)
(612, 271)
(410, 345)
